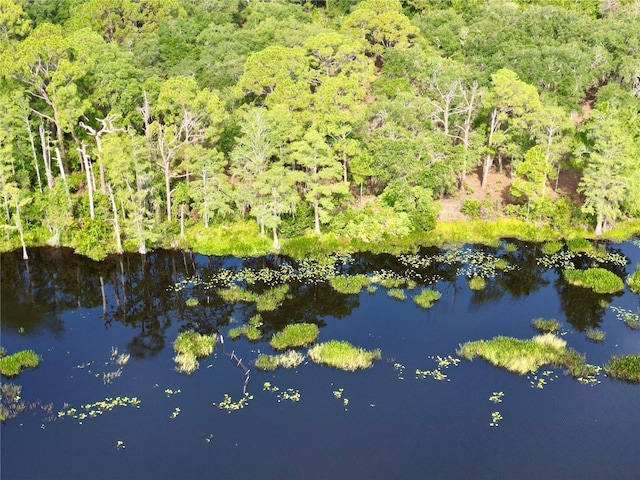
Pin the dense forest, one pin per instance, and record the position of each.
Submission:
(135, 124)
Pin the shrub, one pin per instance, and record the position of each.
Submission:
(426, 298)
(296, 335)
(343, 355)
(625, 367)
(12, 365)
(597, 279)
(546, 325)
(471, 208)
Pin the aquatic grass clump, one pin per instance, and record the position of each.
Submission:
(549, 248)
(12, 365)
(351, 285)
(290, 359)
(250, 331)
(236, 294)
(634, 280)
(595, 335)
(523, 356)
(190, 346)
(271, 299)
(343, 355)
(477, 283)
(427, 298)
(295, 335)
(546, 325)
(625, 367)
(396, 293)
(631, 319)
(597, 279)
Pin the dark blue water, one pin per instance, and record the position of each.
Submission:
(73, 312)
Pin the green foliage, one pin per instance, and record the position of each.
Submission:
(272, 298)
(624, 367)
(549, 248)
(550, 325)
(252, 332)
(290, 359)
(597, 279)
(396, 293)
(595, 335)
(189, 346)
(343, 355)
(471, 208)
(351, 284)
(524, 356)
(12, 365)
(634, 280)
(426, 298)
(295, 335)
(477, 283)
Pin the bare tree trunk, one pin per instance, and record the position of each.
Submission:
(88, 171)
(46, 156)
(116, 223)
(316, 218)
(276, 242)
(33, 151)
(489, 159)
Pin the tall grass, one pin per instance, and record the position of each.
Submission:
(295, 335)
(343, 355)
(597, 279)
(625, 367)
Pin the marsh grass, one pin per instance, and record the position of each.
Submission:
(271, 299)
(236, 294)
(295, 335)
(192, 302)
(625, 367)
(343, 355)
(631, 319)
(397, 293)
(595, 335)
(477, 283)
(546, 325)
(352, 284)
(549, 248)
(597, 279)
(290, 359)
(251, 332)
(427, 298)
(525, 356)
(12, 365)
(634, 280)
(189, 346)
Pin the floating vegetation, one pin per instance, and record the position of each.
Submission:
(549, 325)
(350, 285)
(271, 299)
(549, 248)
(12, 365)
(338, 394)
(625, 367)
(120, 360)
(170, 392)
(400, 369)
(290, 359)
(525, 356)
(564, 258)
(230, 406)
(495, 418)
(343, 355)
(175, 413)
(540, 381)
(295, 335)
(396, 293)
(631, 319)
(190, 346)
(597, 279)
(634, 280)
(590, 375)
(192, 302)
(289, 394)
(11, 404)
(496, 397)
(92, 410)
(443, 363)
(475, 263)
(372, 289)
(250, 331)
(236, 294)
(427, 298)
(595, 335)
(120, 445)
(477, 283)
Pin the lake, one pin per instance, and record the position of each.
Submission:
(418, 412)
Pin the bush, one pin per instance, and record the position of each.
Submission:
(343, 355)
(597, 279)
(471, 208)
(296, 335)
(12, 365)
(626, 367)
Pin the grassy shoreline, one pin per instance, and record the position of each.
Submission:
(241, 239)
